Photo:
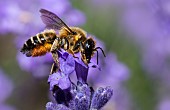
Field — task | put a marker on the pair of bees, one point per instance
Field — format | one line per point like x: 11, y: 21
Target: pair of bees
x: 71, y: 39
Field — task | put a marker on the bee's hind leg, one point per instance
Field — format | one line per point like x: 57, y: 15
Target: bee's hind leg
x: 55, y: 66
x: 55, y: 55
x: 54, y: 69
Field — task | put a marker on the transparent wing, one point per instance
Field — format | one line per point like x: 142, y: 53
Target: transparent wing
x: 52, y: 21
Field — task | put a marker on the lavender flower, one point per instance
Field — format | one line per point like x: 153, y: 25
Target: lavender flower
x: 52, y: 106
x: 61, y: 78
x: 100, y: 97
x: 83, y: 98
x: 81, y: 71
x: 75, y: 97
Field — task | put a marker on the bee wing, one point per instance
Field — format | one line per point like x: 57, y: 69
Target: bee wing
x: 51, y: 20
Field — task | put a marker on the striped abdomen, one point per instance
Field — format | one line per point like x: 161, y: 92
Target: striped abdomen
x: 40, y: 44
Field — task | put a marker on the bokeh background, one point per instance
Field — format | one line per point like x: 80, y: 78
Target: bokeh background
x: 134, y: 33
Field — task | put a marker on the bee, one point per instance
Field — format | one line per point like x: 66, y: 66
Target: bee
x: 71, y: 39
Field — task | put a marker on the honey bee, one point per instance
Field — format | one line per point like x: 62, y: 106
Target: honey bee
x: 71, y: 39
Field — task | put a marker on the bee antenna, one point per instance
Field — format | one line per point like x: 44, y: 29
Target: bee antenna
x: 101, y: 50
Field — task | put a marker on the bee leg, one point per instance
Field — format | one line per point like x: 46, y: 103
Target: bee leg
x: 54, y: 53
x: 55, y: 46
x: 67, y: 48
x: 55, y: 66
x: 83, y: 56
x: 53, y: 69
x: 70, y: 51
x: 55, y: 58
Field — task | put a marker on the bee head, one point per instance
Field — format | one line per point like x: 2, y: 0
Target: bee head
x: 89, y: 46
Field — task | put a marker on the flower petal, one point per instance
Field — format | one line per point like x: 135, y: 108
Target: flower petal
x: 81, y: 71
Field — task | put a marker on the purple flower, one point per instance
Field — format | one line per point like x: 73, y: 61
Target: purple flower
x: 83, y: 98
x: 78, y: 97
x: 61, y: 78
x: 52, y: 106
x: 81, y: 71
x: 101, y: 97
x: 82, y: 102
x: 57, y: 79
x: 67, y: 63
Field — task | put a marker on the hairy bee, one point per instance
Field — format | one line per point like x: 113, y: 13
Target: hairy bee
x: 71, y: 39
x: 40, y: 44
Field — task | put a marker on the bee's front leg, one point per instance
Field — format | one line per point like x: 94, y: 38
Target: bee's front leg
x: 71, y: 52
